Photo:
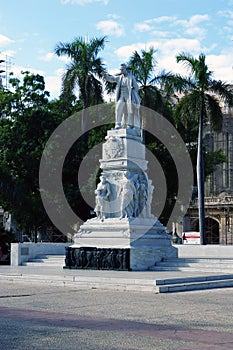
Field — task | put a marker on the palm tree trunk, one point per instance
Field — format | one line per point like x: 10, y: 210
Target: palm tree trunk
x: 200, y: 176
x: 85, y: 112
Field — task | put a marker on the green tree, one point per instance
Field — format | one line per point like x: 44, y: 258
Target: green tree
x: 201, y: 103
x: 143, y: 66
x: 83, y: 72
x: 28, y: 122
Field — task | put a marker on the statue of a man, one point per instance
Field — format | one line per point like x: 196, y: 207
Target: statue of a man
x: 127, y: 98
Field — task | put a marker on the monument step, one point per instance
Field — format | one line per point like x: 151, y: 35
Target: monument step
x: 180, y: 280
x: 197, y: 264
x: 191, y: 286
x: 212, y: 260
x: 191, y: 269
x: 192, y: 264
x: 46, y: 260
x: 86, y: 282
x: 124, y: 284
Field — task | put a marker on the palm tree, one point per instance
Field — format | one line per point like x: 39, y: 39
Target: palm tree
x: 201, y: 99
x: 84, y: 70
x: 151, y: 91
x: 143, y: 65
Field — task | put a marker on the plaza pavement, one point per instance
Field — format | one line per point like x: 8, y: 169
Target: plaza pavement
x: 147, y: 281
x: 48, y: 316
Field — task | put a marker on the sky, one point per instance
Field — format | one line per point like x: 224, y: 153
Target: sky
x: 30, y: 30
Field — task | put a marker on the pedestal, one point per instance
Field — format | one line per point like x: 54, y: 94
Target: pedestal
x: 125, y: 235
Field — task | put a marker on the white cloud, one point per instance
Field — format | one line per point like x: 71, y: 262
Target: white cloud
x: 192, y: 21
x: 113, y: 16
x: 174, y: 46
x: 169, y: 64
x: 222, y: 66
x: 164, y: 26
x: 160, y: 34
x: 110, y: 28
x: 64, y: 59
x: 198, y: 18
x: 17, y: 73
x: 8, y: 53
x: 48, y: 57
x: 148, y: 25
x: 226, y: 13
x: 142, y: 27
x: 169, y: 49
x: 195, y: 31
x: 4, y: 40
x: 53, y: 83
x: 124, y: 52
x: 17, y: 70
x: 191, y: 25
x: 82, y: 2
x: 166, y: 52
x: 161, y: 19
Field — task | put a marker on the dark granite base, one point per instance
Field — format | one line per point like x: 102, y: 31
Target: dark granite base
x: 97, y: 258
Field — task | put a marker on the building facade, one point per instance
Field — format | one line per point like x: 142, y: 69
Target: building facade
x: 218, y: 188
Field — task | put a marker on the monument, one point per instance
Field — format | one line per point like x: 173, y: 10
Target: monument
x: 124, y: 235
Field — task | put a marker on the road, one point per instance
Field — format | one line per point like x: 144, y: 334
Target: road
x: 57, y: 318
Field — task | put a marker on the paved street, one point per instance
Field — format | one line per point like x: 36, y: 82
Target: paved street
x: 49, y: 317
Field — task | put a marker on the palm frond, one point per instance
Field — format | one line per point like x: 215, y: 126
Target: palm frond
x: 95, y: 88
x: 97, y: 44
x: 187, y: 110
x: 175, y: 82
x: 188, y: 61
x: 85, y: 64
x: 143, y: 65
x: 68, y: 81
x: 214, y: 112
x: 224, y: 91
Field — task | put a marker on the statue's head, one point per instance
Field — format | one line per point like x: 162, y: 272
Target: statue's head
x: 123, y: 68
x: 102, y: 178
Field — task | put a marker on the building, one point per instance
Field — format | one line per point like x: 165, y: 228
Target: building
x: 218, y: 188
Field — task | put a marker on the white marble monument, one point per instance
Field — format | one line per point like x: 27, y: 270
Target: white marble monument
x: 123, y: 222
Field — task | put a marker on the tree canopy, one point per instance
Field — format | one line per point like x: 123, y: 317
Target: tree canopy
x: 28, y: 121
